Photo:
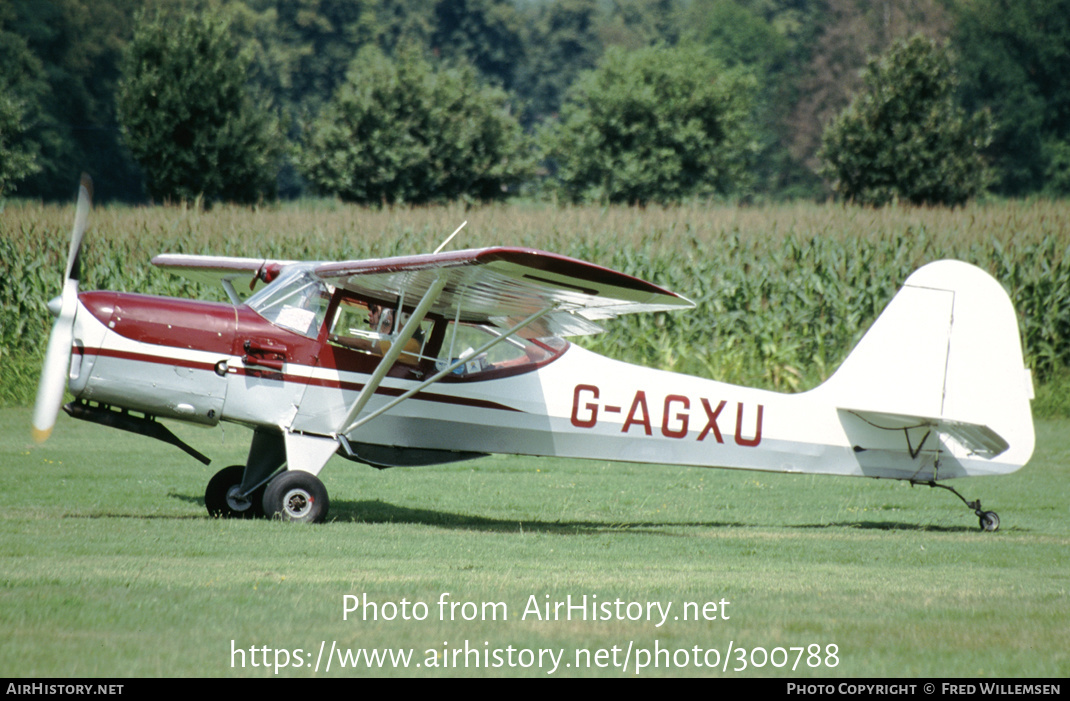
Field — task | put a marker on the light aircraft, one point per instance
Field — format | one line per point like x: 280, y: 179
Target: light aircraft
x: 433, y: 358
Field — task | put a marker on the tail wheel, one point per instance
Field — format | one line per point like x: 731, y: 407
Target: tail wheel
x: 989, y: 521
x: 296, y: 496
x: 223, y: 497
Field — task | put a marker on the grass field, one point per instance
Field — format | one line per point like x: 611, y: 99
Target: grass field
x: 110, y: 566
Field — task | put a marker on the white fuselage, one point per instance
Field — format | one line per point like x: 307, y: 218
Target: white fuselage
x: 578, y: 405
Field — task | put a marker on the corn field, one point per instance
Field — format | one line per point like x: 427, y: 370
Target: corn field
x: 782, y: 292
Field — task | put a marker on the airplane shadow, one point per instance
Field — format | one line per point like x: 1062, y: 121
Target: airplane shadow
x: 383, y: 512
x: 378, y: 511
x: 892, y: 526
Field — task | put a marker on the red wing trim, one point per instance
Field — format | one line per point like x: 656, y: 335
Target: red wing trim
x: 503, y: 286
x: 527, y: 257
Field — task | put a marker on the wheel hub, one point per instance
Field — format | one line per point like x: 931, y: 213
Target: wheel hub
x: 297, y: 502
x: 236, y: 501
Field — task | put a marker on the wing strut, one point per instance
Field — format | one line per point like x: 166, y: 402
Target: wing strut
x: 396, y: 347
x: 351, y: 425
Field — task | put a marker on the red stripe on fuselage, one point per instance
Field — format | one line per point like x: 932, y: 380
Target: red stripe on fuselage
x: 298, y: 379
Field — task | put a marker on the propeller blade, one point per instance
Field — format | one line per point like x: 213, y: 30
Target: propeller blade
x: 58, y: 354
x: 57, y: 363
x: 81, y: 216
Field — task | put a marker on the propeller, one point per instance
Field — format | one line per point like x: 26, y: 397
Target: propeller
x: 58, y: 355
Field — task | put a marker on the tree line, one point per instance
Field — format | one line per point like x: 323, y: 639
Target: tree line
x: 635, y: 101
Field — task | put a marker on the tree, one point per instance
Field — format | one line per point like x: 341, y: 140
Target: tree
x: 1015, y: 61
x: 307, y: 44
x: 904, y: 136
x: 838, y: 38
x: 67, y: 89
x: 30, y: 128
x: 485, y: 33
x: 760, y: 36
x: 17, y: 159
x: 654, y: 125
x: 560, y: 41
x: 187, y: 116
x: 403, y: 131
x: 634, y: 24
x: 22, y: 86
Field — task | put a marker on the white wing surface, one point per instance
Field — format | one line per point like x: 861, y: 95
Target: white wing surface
x: 503, y: 285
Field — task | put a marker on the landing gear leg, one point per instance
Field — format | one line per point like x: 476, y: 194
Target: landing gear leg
x: 989, y: 519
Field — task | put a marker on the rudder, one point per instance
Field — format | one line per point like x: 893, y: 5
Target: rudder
x: 945, y: 348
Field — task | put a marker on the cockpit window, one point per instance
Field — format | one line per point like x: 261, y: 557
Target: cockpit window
x: 371, y: 328
x: 296, y: 301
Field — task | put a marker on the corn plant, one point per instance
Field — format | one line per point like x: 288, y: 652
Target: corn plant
x: 782, y: 293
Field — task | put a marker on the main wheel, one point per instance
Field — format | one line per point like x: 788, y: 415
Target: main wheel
x: 222, y: 499
x: 296, y: 496
x: 989, y: 521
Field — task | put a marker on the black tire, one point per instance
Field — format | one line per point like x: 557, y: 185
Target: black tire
x: 990, y: 521
x: 221, y: 500
x: 296, y: 496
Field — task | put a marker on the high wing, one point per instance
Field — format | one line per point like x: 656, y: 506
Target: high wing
x: 504, y: 285
x: 498, y: 286
x: 231, y: 272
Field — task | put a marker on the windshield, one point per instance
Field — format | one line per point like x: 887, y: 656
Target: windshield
x: 296, y: 301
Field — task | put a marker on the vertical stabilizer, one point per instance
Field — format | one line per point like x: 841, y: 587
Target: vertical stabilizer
x: 946, y: 350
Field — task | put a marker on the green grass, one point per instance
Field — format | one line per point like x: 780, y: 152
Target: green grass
x: 110, y: 566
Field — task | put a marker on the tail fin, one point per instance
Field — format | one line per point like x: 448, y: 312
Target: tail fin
x: 946, y: 351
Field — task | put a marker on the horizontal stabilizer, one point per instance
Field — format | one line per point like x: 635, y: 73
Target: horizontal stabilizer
x: 976, y: 439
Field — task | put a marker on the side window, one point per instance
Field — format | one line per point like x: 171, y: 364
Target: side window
x: 463, y: 340
x: 371, y: 328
